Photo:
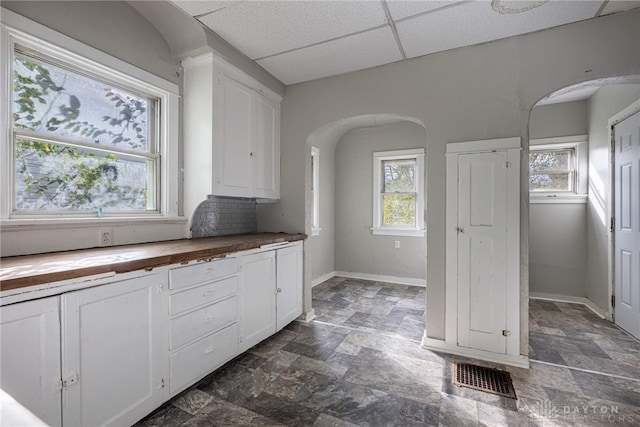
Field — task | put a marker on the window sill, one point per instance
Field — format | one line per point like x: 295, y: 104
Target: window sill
x: 315, y: 231
x: 557, y: 198
x: 407, y: 232
x: 57, y: 223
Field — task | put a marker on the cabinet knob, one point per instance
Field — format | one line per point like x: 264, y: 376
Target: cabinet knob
x: 279, y: 290
x: 252, y: 154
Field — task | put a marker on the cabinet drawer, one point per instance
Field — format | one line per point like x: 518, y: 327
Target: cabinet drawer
x: 189, y: 275
x: 202, y: 357
x: 201, y: 322
x: 202, y: 295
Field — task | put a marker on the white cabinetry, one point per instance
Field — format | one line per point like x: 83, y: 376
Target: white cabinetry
x: 30, y: 356
x: 232, y: 133
x: 271, y: 292
x: 112, y: 352
x: 203, y: 328
x: 289, y: 284
x: 258, y: 298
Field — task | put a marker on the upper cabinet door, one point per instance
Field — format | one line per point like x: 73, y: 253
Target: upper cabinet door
x: 30, y: 356
x: 265, y: 153
x: 232, y: 115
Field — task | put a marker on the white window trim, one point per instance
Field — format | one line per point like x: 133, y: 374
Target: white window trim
x: 315, y: 190
x: 18, y: 29
x: 378, y: 157
x: 579, y: 143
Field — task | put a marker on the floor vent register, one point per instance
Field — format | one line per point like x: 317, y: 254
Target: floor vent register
x: 485, y: 379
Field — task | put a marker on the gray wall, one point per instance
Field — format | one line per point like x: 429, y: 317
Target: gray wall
x: 565, y: 119
x: 113, y: 27
x: 557, y: 232
x: 605, y: 103
x: 481, y: 92
x: 357, y: 250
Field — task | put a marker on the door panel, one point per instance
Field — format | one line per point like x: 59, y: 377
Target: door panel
x: 482, y: 251
x: 627, y: 220
x: 30, y: 356
x: 112, y: 344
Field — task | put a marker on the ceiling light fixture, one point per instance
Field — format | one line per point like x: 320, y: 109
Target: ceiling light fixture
x: 517, y: 6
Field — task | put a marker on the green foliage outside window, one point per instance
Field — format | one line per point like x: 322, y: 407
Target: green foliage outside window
x: 53, y: 108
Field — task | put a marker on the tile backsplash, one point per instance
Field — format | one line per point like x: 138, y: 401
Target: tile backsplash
x: 221, y: 216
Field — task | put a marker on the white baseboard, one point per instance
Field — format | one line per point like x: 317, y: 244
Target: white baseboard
x: 308, y: 316
x: 519, y: 361
x: 571, y: 299
x: 323, y: 278
x: 380, y: 278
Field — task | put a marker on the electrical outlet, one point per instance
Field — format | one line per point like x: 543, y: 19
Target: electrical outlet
x: 396, y: 244
x: 105, y: 237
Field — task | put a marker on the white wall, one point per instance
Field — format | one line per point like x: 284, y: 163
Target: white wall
x: 557, y: 231
x: 466, y: 94
x: 357, y: 250
x: 605, y: 103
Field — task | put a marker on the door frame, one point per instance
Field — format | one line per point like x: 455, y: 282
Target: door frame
x: 614, y: 120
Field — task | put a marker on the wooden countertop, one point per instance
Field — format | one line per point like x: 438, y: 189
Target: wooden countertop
x: 29, y: 270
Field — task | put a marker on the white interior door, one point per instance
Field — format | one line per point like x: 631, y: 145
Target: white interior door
x: 627, y: 224
x: 482, y: 251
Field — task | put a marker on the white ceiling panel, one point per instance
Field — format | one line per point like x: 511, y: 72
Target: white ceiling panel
x: 200, y: 7
x: 476, y: 22
x: 402, y: 8
x: 260, y: 29
x: 351, y: 53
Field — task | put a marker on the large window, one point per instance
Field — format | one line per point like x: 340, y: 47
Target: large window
x: 398, y: 194
x: 80, y: 143
x: 85, y: 139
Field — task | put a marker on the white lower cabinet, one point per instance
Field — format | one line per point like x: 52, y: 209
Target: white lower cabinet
x: 30, y: 356
x: 112, y: 352
x: 270, y: 291
x: 203, y: 324
x: 288, y: 284
x: 258, y: 298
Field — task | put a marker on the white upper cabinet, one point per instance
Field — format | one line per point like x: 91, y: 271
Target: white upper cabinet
x: 232, y: 133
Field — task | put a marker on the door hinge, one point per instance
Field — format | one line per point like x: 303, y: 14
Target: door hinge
x: 162, y: 383
x: 161, y: 287
x: 613, y: 225
x: 506, y: 332
x: 507, y: 165
x: 613, y: 301
x: 65, y: 383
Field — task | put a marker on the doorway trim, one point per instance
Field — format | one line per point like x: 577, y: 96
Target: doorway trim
x: 614, y: 120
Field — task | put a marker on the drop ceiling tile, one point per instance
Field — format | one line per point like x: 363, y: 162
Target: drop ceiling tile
x: 264, y: 28
x: 364, y: 50
x: 476, y: 22
x: 199, y: 7
x: 402, y: 8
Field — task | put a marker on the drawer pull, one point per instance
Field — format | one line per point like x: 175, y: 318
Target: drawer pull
x: 209, y: 350
x: 210, y: 269
x: 208, y: 319
x: 209, y: 292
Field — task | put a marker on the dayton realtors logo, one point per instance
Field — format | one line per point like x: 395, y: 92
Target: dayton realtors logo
x: 583, y: 414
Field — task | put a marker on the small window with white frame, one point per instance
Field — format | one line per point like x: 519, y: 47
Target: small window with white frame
x: 558, y: 169
x: 398, y: 192
x: 552, y: 170
x: 85, y: 139
x: 315, y: 191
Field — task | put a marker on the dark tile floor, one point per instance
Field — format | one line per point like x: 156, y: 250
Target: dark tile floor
x: 361, y: 364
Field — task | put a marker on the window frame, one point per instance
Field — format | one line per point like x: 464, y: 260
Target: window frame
x: 315, y: 191
x: 379, y: 157
x: 578, y: 146
x: 28, y: 35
